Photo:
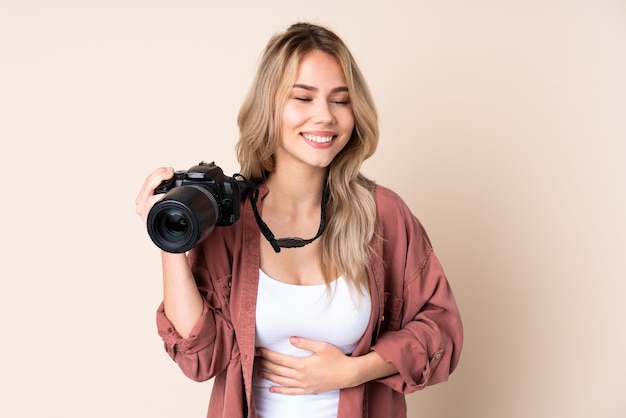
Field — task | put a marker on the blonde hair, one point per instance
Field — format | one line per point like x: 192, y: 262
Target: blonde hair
x: 351, y: 212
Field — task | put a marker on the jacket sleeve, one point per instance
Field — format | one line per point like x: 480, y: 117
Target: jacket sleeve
x: 422, y: 332
x: 211, y: 343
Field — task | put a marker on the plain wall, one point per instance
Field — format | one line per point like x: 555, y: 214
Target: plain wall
x: 502, y: 126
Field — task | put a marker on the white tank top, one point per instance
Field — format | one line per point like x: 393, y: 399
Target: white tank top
x: 285, y: 310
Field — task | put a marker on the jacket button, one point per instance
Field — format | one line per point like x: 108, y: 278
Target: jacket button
x: 438, y: 356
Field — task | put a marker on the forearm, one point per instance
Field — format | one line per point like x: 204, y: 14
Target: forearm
x: 371, y: 366
x: 182, y: 301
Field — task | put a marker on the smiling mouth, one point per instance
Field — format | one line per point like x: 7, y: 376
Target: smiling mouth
x: 318, y: 139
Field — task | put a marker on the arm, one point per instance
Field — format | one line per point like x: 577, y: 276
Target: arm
x: 193, y: 321
x: 326, y: 369
x: 423, y: 351
x: 194, y: 332
x: 430, y: 330
x: 409, y: 355
x: 182, y: 302
x: 422, y: 332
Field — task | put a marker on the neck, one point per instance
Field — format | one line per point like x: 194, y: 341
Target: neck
x: 297, y: 187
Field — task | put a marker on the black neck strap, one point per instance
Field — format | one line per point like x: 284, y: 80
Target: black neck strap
x: 291, y: 242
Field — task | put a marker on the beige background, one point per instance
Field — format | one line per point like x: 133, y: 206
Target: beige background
x: 503, y: 127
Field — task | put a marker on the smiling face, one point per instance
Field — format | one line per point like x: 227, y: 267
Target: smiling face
x: 317, y: 118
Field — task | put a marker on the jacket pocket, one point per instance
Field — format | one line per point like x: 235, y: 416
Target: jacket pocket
x: 392, y: 313
x: 225, y: 284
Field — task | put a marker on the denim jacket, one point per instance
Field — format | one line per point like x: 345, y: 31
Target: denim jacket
x: 414, y: 323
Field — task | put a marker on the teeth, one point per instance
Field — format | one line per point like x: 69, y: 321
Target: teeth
x: 319, y: 139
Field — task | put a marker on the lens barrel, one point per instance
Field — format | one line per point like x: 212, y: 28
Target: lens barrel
x: 185, y: 216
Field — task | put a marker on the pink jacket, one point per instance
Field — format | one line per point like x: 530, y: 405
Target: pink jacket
x: 414, y: 324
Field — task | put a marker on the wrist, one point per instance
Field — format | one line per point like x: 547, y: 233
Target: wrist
x: 370, y: 366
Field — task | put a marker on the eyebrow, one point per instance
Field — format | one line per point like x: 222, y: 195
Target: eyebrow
x: 311, y: 88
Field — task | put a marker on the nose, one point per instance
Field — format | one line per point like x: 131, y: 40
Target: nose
x: 323, y: 113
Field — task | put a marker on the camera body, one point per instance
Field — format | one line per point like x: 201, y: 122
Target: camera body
x: 196, y: 200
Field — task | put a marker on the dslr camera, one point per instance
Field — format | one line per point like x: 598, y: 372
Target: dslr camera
x: 195, y: 201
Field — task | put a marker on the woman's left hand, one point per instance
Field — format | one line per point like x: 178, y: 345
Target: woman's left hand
x: 326, y: 369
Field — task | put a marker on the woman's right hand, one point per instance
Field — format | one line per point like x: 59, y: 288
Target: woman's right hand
x: 146, y: 197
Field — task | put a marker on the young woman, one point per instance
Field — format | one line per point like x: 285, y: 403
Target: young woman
x: 342, y: 321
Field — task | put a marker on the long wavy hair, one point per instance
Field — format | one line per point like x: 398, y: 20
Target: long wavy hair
x: 351, y: 211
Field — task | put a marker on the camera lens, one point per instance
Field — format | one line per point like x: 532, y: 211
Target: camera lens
x: 184, y: 217
x: 173, y: 222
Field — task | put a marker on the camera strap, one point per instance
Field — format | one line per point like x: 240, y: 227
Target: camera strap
x: 290, y: 242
